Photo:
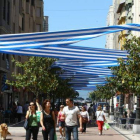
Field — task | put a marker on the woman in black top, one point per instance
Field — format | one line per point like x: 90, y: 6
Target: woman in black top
x: 47, y: 121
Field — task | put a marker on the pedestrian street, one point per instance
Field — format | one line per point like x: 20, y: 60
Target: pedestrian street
x: 18, y: 133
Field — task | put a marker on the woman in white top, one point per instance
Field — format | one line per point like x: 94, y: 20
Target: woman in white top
x: 85, y: 118
x: 100, y: 119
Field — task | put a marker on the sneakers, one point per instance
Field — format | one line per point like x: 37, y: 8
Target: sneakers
x: 61, y: 137
x: 99, y: 134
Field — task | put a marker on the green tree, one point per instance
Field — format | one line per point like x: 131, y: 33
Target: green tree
x: 40, y: 77
x: 37, y: 76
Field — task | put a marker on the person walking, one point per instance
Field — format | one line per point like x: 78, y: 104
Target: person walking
x: 100, y: 119
x: 61, y: 122
x: 90, y: 112
x: 33, y: 124
x: 47, y: 121
x: 71, y: 114
x: 85, y: 118
x: 19, y: 111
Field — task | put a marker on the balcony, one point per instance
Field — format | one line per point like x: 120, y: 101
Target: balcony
x: 129, y: 2
x: 120, y: 6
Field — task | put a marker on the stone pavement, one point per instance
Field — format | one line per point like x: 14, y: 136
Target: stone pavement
x: 18, y: 133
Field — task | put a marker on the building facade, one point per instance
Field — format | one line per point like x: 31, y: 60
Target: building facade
x: 46, y: 25
x: 17, y: 16
x: 110, y: 22
x: 125, y: 12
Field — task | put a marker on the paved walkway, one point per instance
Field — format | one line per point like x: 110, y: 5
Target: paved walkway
x: 114, y: 133
x: 18, y: 133
x: 128, y: 134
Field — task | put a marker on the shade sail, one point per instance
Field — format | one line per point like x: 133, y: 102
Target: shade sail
x: 87, y: 66
x: 42, y: 39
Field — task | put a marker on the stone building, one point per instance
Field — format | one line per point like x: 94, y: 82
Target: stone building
x: 17, y: 16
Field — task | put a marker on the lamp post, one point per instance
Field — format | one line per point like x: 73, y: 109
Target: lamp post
x: 136, y: 126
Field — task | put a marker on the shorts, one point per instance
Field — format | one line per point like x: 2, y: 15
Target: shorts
x: 61, y: 124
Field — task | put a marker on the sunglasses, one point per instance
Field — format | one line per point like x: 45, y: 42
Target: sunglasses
x: 31, y: 105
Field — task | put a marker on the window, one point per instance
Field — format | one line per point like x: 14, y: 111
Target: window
x: 20, y: 6
x: 3, y: 56
x: 38, y: 28
x: 23, y: 22
x: 19, y: 58
x: 38, y: 11
x: 7, y: 56
x: 32, y: 2
x: 4, y: 9
x: 8, y: 13
x: 13, y: 2
x: 13, y: 27
x: 29, y: 22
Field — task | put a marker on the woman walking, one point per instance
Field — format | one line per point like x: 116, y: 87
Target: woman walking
x: 100, y: 119
x: 47, y: 121
x: 33, y: 124
x: 61, y: 122
x: 85, y: 118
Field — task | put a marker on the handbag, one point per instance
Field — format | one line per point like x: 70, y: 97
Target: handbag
x: 26, y: 124
x: 84, y: 120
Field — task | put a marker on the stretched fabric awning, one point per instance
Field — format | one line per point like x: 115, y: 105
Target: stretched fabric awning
x: 42, y: 39
x: 87, y: 65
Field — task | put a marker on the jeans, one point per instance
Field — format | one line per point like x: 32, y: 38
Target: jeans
x: 71, y: 129
x: 84, y: 125
x: 32, y: 130
x: 50, y: 132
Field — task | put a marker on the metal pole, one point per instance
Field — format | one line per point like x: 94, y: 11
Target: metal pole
x: 137, y: 120
x: 112, y: 107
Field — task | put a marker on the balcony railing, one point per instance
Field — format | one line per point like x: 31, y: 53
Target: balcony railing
x: 120, y: 6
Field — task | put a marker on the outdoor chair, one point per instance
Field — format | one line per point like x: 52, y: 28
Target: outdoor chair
x: 130, y: 123
x: 122, y: 123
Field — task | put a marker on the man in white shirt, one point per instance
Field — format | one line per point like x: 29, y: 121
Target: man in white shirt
x: 71, y: 114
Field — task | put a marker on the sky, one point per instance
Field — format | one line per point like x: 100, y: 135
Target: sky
x: 78, y: 14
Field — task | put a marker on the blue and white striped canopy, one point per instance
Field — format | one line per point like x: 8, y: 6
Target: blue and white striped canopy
x: 86, y: 66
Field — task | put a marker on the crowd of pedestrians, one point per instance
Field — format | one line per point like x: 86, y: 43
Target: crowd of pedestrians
x: 68, y: 119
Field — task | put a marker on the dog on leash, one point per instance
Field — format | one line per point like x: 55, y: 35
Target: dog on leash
x: 4, y: 131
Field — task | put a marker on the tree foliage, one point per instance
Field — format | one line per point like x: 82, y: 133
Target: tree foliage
x: 126, y: 77
x: 39, y: 76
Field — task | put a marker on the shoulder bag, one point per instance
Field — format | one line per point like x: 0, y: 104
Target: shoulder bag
x: 26, y: 124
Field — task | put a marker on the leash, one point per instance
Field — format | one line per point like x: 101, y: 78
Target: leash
x: 16, y: 123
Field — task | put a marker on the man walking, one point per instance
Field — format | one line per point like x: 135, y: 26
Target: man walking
x: 71, y: 114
